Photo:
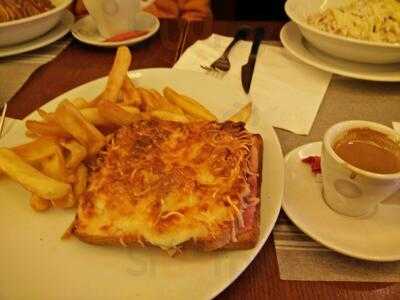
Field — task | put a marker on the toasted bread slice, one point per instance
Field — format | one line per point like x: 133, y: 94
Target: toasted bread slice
x: 175, y: 186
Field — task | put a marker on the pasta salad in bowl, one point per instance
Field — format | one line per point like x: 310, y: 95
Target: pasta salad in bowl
x: 366, y: 31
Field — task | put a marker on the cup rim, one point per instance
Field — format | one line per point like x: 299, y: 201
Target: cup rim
x: 359, y: 124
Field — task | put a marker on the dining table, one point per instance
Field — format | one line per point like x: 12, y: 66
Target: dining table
x: 80, y: 63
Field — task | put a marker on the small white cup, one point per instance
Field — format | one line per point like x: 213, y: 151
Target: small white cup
x: 115, y: 16
x: 347, y: 189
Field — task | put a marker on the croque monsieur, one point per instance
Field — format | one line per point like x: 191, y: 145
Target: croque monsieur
x: 175, y: 186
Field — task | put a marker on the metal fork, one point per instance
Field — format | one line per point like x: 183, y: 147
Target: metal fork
x: 3, y: 119
x: 222, y: 63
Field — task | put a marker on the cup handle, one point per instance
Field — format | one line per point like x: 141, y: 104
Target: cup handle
x: 393, y: 199
x: 146, y: 3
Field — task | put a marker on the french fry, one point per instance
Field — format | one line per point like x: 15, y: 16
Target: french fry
x: 188, y: 105
x: 46, y: 129
x: 46, y: 116
x: 37, y: 150
x: 39, y: 204
x: 172, y: 107
x: 96, y: 100
x: 30, y: 178
x: 117, y: 74
x: 153, y: 100
x: 30, y: 134
x: 161, y: 103
x: 169, y: 116
x: 131, y: 95
x: 116, y: 114
x: 158, y: 97
x: 243, y: 115
x: 120, y: 97
x: 80, y: 183
x: 80, y: 103
x: 55, y: 167
x: 148, y: 100
x: 72, y: 121
x: 193, y: 119
x: 92, y: 115
x: 67, y: 201
x: 76, y: 153
x: 158, y: 100
x: 130, y: 109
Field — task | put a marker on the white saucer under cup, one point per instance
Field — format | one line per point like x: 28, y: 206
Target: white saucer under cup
x: 375, y: 237
x: 85, y: 30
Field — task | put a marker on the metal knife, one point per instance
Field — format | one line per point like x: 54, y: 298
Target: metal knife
x: 248, y: 69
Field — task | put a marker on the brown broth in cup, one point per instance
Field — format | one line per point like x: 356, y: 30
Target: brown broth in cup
x: 369, y: 150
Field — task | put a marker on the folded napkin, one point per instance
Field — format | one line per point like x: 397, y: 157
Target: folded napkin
x: 284, y: 90
x: 22, y: 66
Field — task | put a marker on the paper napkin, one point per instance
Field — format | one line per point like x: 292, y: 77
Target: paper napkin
x: 284, y: 90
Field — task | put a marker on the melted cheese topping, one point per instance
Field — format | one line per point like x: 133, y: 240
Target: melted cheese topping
x: 167, y: 183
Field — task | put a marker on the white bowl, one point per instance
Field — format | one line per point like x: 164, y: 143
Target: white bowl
x: 22, y: 30
x: 336, y: 45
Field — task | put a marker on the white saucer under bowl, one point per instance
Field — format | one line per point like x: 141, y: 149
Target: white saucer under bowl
x: 294, y: 42
x: 60, y: 30
x: 375, y: 238
x: 85, y: 30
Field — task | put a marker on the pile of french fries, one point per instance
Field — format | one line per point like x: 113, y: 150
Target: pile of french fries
x: 52, y: 166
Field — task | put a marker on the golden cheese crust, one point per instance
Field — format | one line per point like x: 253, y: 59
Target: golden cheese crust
x: 174, y: 186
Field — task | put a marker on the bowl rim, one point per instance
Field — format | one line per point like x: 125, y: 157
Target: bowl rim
x: 56, y: 9
x: 307, y: 26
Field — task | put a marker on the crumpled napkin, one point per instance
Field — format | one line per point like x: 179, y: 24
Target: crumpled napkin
x: 284, y: 90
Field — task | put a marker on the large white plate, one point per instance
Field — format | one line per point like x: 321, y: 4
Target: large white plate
x: 375, y: 238
x: 53, y: 35
x: 37, y: 264
x: 294, y: 42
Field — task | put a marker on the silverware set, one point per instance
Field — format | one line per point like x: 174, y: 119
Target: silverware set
x: 222, y: 64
